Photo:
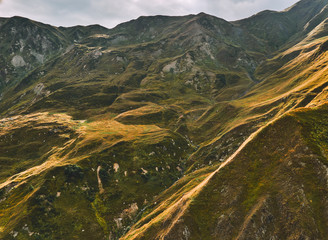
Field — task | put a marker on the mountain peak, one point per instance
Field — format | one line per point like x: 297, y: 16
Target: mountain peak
x: 307, y: 5
x: 202, y: 14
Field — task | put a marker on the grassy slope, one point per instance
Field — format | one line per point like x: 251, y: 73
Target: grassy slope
x: 262, y: 176
x: 107, y: 174
x: 259, y: 186
x: 104, y: 165
x: 268, y: 181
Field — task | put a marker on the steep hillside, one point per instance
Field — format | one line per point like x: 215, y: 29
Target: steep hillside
x: 274, y: 187
x: 166, y: 128
x: 26, y: 45
x: 280, y: 28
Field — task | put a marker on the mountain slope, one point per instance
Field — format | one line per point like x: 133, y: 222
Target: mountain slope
x: 166, y: 128
x: 279, y: 28
x: 271, y: 189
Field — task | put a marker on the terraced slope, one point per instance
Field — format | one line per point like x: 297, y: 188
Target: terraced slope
x: 166, y: 128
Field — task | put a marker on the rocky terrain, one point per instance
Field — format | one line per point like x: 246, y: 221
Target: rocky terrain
x: 186, y: 127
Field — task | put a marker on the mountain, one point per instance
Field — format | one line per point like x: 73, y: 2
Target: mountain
x: 187, y: 127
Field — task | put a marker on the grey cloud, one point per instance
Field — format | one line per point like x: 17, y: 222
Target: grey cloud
x: 237, y: 9
x: 111, y: 12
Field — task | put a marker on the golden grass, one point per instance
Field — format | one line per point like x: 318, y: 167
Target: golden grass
x: 107, y: 132
x: 174, y: 211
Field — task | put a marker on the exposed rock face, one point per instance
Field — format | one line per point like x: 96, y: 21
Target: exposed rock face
x: 18, y: 61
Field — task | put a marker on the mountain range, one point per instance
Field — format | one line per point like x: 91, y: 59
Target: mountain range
x: 163, y: 127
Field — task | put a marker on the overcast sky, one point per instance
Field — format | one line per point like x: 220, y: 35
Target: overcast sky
x: 112, y: 12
